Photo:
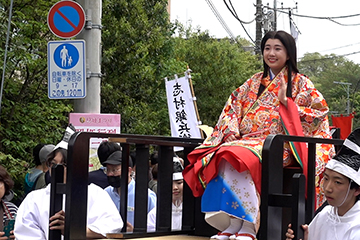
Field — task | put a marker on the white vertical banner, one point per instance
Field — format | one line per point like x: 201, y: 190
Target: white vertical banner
x: 183, y: 118
x: 294, y: 31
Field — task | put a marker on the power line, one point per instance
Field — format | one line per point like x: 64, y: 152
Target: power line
x: 307, y: 16
x: 349, y: 45
x: 328, y: 58
x: 233, y: 12
x: 324, y: 18
x: 221, y: 20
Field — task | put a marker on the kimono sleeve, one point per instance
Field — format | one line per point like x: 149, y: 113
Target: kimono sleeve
x: 311, y: 103
x: 230, y: 116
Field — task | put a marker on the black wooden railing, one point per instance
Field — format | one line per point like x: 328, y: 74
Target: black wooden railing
x: 273, y: 198
x: 193, y: 220
x: 77, y: 181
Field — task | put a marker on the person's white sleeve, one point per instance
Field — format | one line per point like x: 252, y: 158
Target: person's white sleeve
x: 103, y: 216
x: 151, y: 200
x: 28, y: 222
x: 151, y: 220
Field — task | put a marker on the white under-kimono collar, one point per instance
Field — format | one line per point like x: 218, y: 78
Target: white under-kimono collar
x: 272, y: 75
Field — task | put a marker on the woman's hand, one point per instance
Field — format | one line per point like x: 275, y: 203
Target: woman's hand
x: 3, y: 237
x: 230, y: 138
x: 282, y: 92
x: 57, y: 221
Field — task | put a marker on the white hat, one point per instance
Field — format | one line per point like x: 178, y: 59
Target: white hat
x: 347, y: 160
x: 70, y: 130
x: 178, y: 167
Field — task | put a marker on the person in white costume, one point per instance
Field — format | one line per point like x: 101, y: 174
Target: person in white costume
x: 33, y: 221
x: 177, y: 194
x: 340, y: 220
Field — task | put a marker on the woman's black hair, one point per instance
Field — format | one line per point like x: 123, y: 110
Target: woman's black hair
x: 6, y: 178
x: 289, y: 43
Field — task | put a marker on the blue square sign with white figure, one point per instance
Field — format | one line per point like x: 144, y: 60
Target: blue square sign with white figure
x: 66, y: 69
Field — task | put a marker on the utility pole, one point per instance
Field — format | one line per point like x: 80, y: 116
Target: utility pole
x: 258, y: 36
x: 92, y: 36
x: 275, y: 17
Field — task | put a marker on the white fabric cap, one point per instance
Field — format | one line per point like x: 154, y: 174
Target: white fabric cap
x: 177, y: 176
x: 65, y: 140
x: 344, y: 169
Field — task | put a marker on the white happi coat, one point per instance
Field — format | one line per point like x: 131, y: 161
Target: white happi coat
x: 327, y: 225
x: 32, y: 220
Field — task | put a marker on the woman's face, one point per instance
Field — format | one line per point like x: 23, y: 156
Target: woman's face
x: 2, y: 189
x: 58, y: 159
x: 177, y: 191
x: 275, y: 55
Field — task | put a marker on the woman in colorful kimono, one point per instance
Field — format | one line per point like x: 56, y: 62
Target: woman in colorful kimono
x: 226, y: 168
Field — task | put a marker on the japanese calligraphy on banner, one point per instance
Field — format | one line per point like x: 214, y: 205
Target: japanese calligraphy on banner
x: 98, y: 123
x: 183, y: 119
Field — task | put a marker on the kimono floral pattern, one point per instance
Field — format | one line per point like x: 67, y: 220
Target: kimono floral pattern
x: 252, y: 118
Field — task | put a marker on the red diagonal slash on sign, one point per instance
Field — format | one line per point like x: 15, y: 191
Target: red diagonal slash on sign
x: 66, y: 19
x: 58, y: 28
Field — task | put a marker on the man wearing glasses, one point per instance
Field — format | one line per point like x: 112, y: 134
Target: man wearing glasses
x: 113, y: 172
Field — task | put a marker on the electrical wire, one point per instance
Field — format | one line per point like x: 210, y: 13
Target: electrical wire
x: 323, y: 18
x: 6, y: 50
x: 307, y: 16
x: 328, y: 58
x: 221, y: 20
x: 349, y: 45
x: 233, y: 12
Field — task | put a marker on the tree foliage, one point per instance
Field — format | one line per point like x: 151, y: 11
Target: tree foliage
x: 324, y: 71
x: 27, y: 115
x: 137, y: 44
x: 219, y: 66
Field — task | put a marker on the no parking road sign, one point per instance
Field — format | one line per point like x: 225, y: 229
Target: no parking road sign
x: 66, y: 69
x: 66, y: 19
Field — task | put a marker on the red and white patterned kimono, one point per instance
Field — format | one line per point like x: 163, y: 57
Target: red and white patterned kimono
x: 252, y: 119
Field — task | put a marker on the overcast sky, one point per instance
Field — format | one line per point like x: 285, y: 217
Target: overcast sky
x: 317, y: 35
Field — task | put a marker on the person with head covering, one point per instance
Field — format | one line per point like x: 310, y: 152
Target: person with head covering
x: 44, y: 178
x: 113, y: 172
x: 104, y: 150
x: 33, y: 221
x: 226, y: 169
x: 7, y: 208
x: 177, y: 200
x: 340, y: 219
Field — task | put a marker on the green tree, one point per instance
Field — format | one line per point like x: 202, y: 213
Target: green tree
x: 327, y: 69
x: 219, y: 66
x: 137, y: 45
x: 27, y: 115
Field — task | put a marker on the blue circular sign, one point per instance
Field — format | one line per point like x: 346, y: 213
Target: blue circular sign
x: 66, y: 56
